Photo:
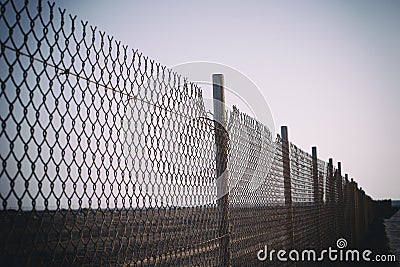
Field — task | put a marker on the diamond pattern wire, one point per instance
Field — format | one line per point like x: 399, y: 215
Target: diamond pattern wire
x: 104, y: 159
x: 109, y: 158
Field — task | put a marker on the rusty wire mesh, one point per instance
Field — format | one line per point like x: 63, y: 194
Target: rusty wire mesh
x: 104, y: 157
x: 257, y: 204
x: 109, y: 158
x: 304, y: 211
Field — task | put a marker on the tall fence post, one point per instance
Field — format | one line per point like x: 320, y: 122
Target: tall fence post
x: 287, y: 183
x: 347, y: 209
x: 331, y: 183
x: 331, y: 200
x: 317, y: 198
x: 221, y: 141
x: 352, y: 213
x: 340, y: 210
x: 356, y: 214
x: 362, y: 212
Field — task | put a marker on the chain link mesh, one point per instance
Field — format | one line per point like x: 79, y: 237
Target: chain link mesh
x: 104, y: 157
x: 109, y: 158
x: 257, y: 203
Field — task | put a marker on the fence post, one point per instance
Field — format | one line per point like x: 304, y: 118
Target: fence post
x: 362, y: 212
x: 317, y: 199
x: 356, y: 214
x: 340, y: 210
x: 331, y: 200
x: 331, y: 185
x: 287, y: 183
x: 352, y: 212
x: 347, y: 209
x: 221, y: 142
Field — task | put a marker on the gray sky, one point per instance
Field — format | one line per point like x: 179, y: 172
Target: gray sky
x: 330, y: 70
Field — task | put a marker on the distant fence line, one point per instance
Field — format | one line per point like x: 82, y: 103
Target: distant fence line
x: 108, y: 157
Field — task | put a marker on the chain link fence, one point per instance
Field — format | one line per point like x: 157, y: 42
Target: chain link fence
x: 109, y: 158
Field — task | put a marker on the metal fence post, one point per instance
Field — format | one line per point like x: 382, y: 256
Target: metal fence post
x: 287, y: 182
x: 221, y: 141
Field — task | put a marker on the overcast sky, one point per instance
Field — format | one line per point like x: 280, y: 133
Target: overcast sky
x: 330, y: 70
